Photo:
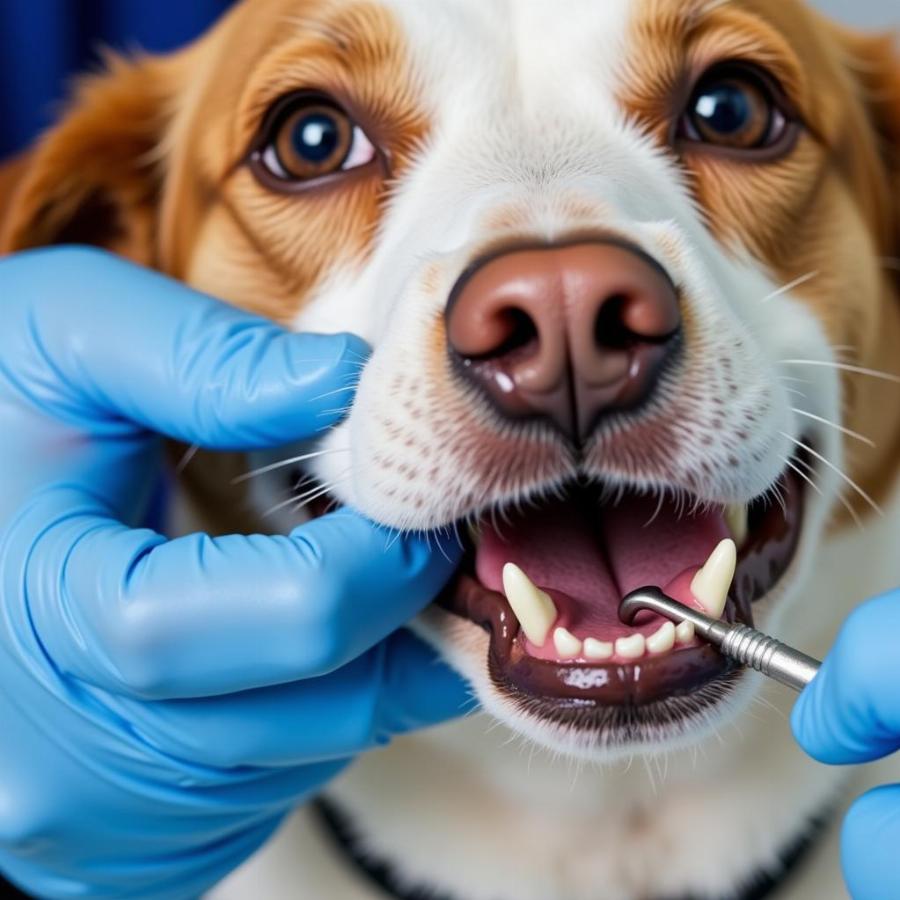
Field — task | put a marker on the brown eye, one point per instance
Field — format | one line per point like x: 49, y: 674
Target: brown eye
x: 311, y: 138
x: 734, y: 107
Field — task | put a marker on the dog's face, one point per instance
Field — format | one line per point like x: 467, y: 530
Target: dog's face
x: 611, y: 257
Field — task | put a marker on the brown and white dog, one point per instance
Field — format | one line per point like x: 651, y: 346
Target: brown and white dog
x: 630, y: 271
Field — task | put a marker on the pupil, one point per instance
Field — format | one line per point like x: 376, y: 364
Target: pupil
x: 725, y: 109
x: 316, y: 138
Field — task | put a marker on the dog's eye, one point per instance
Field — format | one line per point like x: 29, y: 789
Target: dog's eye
x: 735, y: 107
x: 310, y: 138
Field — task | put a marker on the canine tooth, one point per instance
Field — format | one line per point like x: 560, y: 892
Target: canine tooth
x: 711, y: 584
x: 663, y: 640
x: 533, y: 608
x: 567, y: 645
x: 599, y: 650
x: 631, y: 647
x: 684, y: 633
x: 736, y: 520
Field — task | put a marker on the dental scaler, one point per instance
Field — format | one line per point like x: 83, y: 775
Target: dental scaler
x: 738, y: 642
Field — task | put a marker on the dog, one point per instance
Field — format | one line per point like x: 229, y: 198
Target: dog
x: 630, y: 273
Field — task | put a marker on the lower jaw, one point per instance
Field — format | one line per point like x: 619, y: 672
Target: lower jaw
x: 653, y: 691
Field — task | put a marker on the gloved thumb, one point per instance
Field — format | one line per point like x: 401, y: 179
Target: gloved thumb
x: 850, y: 713
x: 869, y: 841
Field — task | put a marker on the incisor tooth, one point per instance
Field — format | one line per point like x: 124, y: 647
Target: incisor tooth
x: 567, y: 645
x: 711, y: 584
x: 684, y: 633
x: 663, y: 640
x: 631, y: 647
x: 736, y: 520
x: 533, y: 608
x: 599, y: 650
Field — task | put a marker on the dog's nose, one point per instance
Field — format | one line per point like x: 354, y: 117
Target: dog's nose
x: 565, y: 333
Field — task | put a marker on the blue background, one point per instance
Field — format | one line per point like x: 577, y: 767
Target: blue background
x: 43, y: 41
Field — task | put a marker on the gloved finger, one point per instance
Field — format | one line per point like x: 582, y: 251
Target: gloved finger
x: 397, y: 687
x: 850, y: 713
x: 869, y: 842
x: 130, y: 612
x: 126, y: 344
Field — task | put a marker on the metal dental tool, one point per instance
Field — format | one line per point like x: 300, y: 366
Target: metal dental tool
x: 746, y: 645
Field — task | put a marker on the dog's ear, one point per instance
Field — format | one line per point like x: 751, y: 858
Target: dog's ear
x: 96, y: 177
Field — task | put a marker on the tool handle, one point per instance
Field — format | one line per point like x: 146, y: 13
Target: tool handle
x: 771, y: 657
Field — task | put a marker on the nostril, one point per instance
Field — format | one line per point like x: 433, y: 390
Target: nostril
x: 610, y: 330
x: 505, y: 331
x: 625, y: 319
x: 521, y: 332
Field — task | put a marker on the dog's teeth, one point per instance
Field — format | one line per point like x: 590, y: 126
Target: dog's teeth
x: 711, y: 584
x: 736, y: 520
x: 598, y: 650
x: 663, y: 640
x: 684, y: 633
x: 631, y: 647
x: 532, y: 607
x: 567, y: 645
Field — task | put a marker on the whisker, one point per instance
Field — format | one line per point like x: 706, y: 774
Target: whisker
x: 853, y: 434
x: 843, y: 367
x: 322, y: 490
x: 843, y: 500
x: 343, y: 390
x: 305, y: 499
x: 841, y: 474
x: 187, y: 459
x: 279, y: 506
x: 458, y: 536
x: 310, y: 496
x: 393, y: 540
x: 336, y: 411
x: 805, y: 477
x: 287, y: 462
x: 778, y: 494
x: 797, y: 282
x: 657, y: 511
x: 797, y: 393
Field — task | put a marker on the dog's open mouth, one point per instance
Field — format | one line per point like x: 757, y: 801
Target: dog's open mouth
x: 585, y: 551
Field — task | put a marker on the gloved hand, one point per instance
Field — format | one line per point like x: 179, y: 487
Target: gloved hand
x: 850, y: 713
x: 164, y: 704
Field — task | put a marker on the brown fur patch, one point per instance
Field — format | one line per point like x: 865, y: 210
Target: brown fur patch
x: 221, y: 228
x: 830, y: 206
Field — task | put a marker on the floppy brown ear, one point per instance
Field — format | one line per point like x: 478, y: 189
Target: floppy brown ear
x: 96, y: 177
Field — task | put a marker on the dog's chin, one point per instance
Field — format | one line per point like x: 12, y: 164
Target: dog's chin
x: 669, y: 697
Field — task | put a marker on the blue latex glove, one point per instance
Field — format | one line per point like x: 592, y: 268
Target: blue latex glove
x: 163, y: 704
x: 850, y: 713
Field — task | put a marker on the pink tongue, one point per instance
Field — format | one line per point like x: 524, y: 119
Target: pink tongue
x: 588, y: 559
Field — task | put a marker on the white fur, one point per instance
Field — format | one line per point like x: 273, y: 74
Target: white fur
x: 522, y: 98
